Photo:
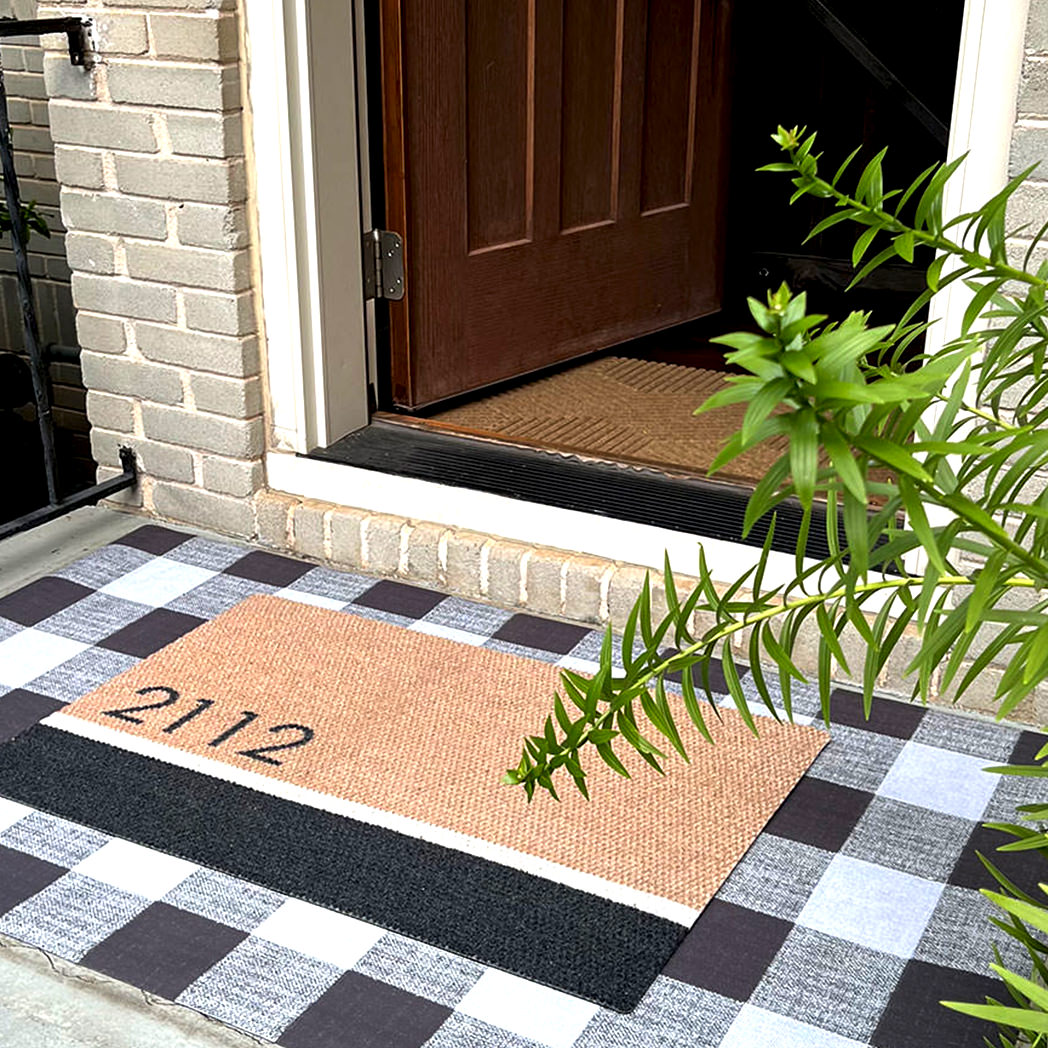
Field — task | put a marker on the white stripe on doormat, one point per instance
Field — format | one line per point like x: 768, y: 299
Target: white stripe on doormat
x: 669, y: 910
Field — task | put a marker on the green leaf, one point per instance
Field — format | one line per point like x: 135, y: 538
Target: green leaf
x: 894, y: 456
x: 843, y: 461
x: 804, y: 454
x: 863, y: 243
x: 903, y: 244
x: 692, y: 706
x: 731, y: 678
x: 763, y: 404
x: 1036, y: 916
x: 1021, y: 1018
x: 607, y: 754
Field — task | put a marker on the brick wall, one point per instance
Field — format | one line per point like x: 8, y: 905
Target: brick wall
x: 149, y: 152
x: 23, y: 63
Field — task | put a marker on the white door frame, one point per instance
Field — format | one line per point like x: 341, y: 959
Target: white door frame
x: 316, y: 345
x: 303, y: 90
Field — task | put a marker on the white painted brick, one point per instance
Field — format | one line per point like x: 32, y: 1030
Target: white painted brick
x: 123, y: 298
x: 206, y: 181
x: 206, y: 134
x: 129, y: 497
x: 102, y: 127
x: 307, y: 529
x: 90, y: 253
x: 462, y: 572
x: 236, y: 357
x: 62, y: 79
x: 212, y: 225
x: 223, y: 513
x: 232, y: 476
x: 116, y: 215
x: 221, y: 314
x: 186, y: 5
x: 232, y: 438
x: 506, y: 566
x: 178, y: 85
x: 543, y: 581
x: 423, y: 563
x: 272, y: 516
x: 157, y: 460
x: 380, y: 545
x: 1033, y: 88
x: 1037, y: 28
x: 1029, y: 147
x: 109, y: 412
x: 346, y: 525
x: 188, y: 266
x: 194, y: 36
x: 237, y: 398
x: 120, y: 34
x: 583, y: 578
x: 132, y: 378
x: 79, y: 167
x: 102, y: 334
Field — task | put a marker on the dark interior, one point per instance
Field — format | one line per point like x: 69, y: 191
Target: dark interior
x: 795, y: 63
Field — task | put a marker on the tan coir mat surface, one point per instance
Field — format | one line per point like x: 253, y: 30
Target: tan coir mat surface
x: 422, y: 727
x: 619, y: 408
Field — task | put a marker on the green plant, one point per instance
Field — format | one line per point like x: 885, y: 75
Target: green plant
x: 1023, y: 1021
x: 906, y: 454
x: 32, y: 220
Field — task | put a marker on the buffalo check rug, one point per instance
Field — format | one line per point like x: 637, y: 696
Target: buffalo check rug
x: 853, y: 913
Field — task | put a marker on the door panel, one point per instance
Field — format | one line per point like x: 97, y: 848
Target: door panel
x: 557, y: 170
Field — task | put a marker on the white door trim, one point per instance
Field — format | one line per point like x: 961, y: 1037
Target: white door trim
x: 302, y: 79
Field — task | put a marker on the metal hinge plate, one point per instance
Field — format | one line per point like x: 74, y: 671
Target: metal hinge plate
x: 383, y: 265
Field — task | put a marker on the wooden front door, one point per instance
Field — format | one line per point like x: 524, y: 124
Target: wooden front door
x: 556, y: 168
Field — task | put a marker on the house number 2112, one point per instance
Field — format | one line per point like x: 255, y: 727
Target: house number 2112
x: 258, y: 753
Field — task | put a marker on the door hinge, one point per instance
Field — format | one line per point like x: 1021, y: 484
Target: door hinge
x: 383, y: 264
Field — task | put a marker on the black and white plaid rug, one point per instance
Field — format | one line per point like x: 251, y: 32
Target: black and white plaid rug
x: 853, y: 914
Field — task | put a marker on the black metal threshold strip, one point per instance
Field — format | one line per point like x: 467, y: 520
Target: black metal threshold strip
x: 704, y: 508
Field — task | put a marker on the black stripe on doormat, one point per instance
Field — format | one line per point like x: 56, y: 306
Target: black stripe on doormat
x: 565, y: 938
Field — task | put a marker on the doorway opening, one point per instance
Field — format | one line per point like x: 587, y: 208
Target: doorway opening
x: 505, y: 338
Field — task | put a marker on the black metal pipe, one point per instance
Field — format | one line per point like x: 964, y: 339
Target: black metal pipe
x: 59, y: 354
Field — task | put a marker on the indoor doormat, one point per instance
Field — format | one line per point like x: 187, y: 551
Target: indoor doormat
x: 355, y: 764
x: 618, y: 408
x: 855, y: 911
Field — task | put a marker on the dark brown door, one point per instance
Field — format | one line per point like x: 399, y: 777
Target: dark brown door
x: 556, y: 168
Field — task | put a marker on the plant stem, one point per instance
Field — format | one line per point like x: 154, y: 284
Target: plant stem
x: 892, y: 224
x: 783, y: 609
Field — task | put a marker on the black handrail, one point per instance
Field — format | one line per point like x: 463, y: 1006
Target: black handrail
x: 75, y: 30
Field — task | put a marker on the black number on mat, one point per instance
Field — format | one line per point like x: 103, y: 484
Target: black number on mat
x: 307, y: 735
x: 244, y: 721
x: 126, y: 712
x: 202, y: 704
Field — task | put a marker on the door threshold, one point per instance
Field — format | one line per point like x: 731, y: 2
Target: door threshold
x: 693, y: 505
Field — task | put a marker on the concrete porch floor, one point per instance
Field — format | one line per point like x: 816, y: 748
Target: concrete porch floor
x: 46, y: 1002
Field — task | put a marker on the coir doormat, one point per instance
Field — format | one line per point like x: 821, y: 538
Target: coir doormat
x: 355, y: 764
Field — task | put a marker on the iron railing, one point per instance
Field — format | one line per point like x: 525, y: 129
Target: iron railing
x: 39, y: 356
